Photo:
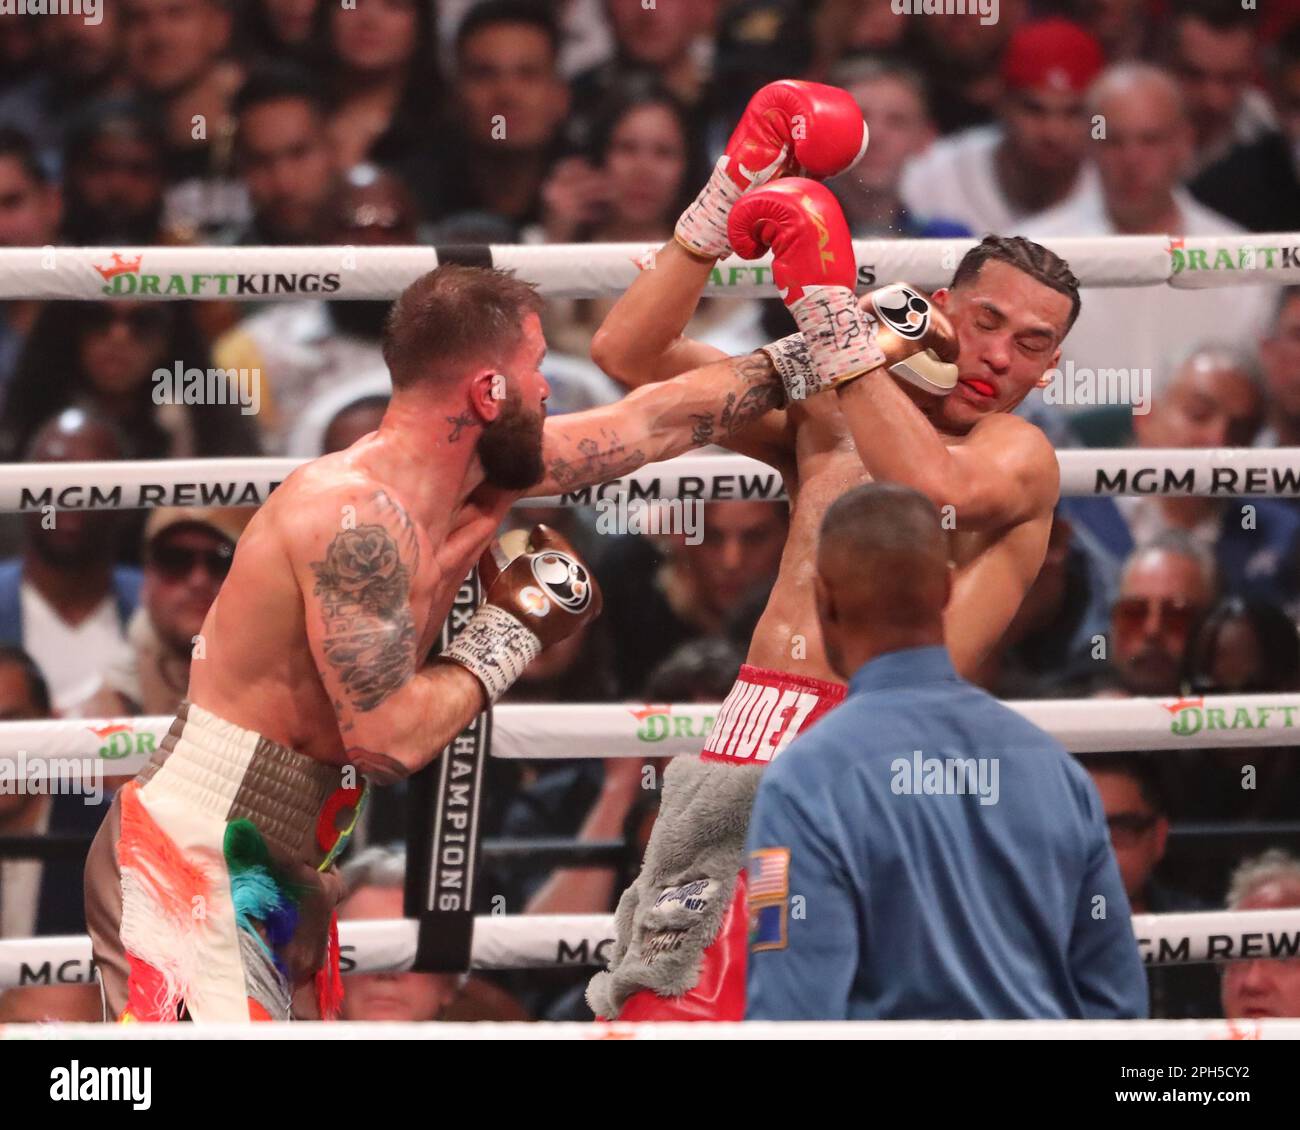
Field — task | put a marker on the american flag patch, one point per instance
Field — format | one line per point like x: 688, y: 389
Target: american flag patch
x: 769, y: 873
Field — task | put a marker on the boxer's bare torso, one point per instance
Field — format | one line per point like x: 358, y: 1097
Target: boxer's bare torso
x: 994, y: 568
x: 342, y: 581
x: 255, y: 668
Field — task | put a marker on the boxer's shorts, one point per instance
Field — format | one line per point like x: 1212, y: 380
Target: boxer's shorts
x: 211, y: 887
x: 681, y: 903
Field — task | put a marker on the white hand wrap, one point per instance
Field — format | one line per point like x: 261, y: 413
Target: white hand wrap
x: 495, y: 647
x: 841, y: 345
x: 702, y: 228
x: 793, y: 364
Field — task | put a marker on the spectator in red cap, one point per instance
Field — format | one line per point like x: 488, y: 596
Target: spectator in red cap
x: 991, y: 178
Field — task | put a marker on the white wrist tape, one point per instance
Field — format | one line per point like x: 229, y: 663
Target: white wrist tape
x: 702, y: 228
x: 841, y: 345
x: 793, y: 364
x: 496, y: 647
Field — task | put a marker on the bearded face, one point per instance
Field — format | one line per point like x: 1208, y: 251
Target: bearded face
x: 510, y: 447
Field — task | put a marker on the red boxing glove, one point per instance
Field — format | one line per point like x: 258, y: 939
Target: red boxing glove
x: 815, y: 271
x: 789, y: 127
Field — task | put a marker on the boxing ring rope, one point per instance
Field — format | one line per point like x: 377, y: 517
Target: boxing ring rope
x: 140, y: 484
x: 589, y: 270
x: 544, y: 941
x: 749, y: 1030
x: 64, y: 749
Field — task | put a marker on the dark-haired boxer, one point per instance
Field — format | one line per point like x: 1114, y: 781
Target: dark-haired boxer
x: 899, y: 413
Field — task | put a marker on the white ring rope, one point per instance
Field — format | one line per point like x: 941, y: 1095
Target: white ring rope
x: 749, y: 1030
x: 590, y: 270
x: 60, y: 752
x: 1221, y: 472
x: 543, y: 941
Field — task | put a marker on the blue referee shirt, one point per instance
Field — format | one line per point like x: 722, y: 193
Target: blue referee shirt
x: 924, y: 852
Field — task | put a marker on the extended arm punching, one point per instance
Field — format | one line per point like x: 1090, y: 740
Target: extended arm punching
x: 708, y: 405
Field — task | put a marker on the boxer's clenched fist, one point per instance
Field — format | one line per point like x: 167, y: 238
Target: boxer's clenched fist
x: 919, y: 343
x: 789, y: 127
x: 803, y: 226
x: 533, y: 600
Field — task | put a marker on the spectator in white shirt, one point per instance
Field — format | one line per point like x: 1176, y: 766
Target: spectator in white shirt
x: 1146, y: 147
x: 64, y: 599
x: 991, y: 178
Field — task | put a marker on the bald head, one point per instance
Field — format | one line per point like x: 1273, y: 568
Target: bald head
x: 75, y: 539
x: 374, y: 207
x: 1146, y: 146
x: 883, y: 574
x: 73, y: 436
x: 1153, y: 90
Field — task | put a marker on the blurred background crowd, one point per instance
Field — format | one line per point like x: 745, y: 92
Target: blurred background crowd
x: 251, y: 122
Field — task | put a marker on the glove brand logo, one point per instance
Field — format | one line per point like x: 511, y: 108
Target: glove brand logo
x: 564, y: 580
x: 904, y: 311
x: 693, y: 896
x: 823, y: 232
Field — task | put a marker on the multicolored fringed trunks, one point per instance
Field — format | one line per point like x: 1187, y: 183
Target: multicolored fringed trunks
x: 211, y: 886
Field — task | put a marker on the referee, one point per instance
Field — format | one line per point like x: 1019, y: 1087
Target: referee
x: 924, y: 852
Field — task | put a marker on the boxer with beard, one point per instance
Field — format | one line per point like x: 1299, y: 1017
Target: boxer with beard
x: 210, y: 889
x: 923, y: 389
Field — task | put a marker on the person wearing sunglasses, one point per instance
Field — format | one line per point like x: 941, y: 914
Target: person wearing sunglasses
x: 105, y: 356
x: 1135, y: 801
x: 187, y: 554
x: 1166, y: 587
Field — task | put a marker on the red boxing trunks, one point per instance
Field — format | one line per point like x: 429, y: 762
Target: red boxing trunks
x: 682, y: 927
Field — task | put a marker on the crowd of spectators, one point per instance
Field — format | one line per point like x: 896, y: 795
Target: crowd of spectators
x: 398, y: 122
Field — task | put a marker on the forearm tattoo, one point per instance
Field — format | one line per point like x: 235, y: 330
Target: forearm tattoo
x: 364, y: 586
x: 763, y: 392
x: 598, y: 458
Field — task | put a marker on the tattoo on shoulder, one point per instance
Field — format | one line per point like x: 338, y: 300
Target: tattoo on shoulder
x: 389, y: 509
x: 364, y: 589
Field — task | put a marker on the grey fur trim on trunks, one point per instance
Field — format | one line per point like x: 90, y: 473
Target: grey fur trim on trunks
x: 671, y: 913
